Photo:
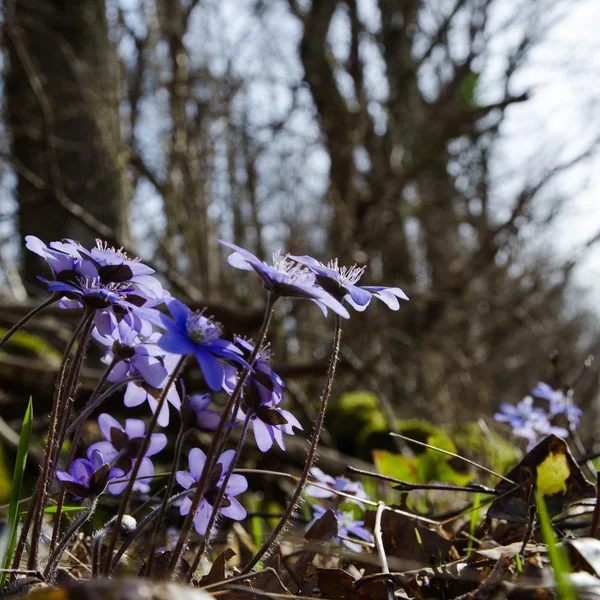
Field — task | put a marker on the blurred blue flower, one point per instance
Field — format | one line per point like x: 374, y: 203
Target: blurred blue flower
x: 559, y: 404
x: 336, y: 484
x: 346, y: 525
x: 528, y: 421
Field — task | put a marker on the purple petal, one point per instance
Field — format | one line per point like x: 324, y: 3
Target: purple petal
x: 106, y: 423
x: 82, y: 470
x: 211, y: 369
x: 185, y: 506
x: 144, y: 475
x: 157, y: 442
x: 35, y: 245
x: 176, y: 343
x: 359, y: 295
x: 134, y: 395
x: 96, y: 459
x: 179, y: 311
x: 196, y: 460
x: 106, y: 448
x: 163, y: 415
x: 151, y: 370
x: 263, y: 435
x: 185, y: 480
x: 225, y: 460
x: 63, y: 475
x: 134, y: 428
x: 236, y: 485
x: 234, y: 511
x: 202, y: 517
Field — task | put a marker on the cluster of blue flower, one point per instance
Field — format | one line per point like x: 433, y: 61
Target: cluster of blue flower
x: 534, y: 422
x: 145, y: 352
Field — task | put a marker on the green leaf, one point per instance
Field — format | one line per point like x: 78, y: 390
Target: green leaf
x: 468, y: 90
x: 13, y: 514
x: 51, y: 510
x: 395, y: 465
x: 557, y: 554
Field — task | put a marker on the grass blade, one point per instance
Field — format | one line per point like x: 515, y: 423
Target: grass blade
x: 557, y: 554
x: 19, y: 471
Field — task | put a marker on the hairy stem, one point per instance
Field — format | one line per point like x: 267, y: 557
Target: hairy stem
x: 47, y: 470
x: 36, y: 311
x: 79, y: 520
x: 143, y: 524
x: 94, y: 404
x: 311, y: 452
x: 136, y: 465
x: 183, y: 430
x: 212, y: 454
x: 63, y: 419
x: 218, y: 500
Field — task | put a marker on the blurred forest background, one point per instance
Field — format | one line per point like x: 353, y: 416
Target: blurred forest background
x: 374, y: 131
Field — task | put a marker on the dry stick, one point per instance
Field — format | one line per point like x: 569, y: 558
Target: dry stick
x: 340, y: 493
x: 75, y: 443
x: 381, y: 550
x: 183, y: 430
x: 44, y: 479
x: 211, y: 457
x: 136, y: 466
x: 218, y: 500
x: 407, y: 487
x: 454, y: 455
x: 312, y: 451
x: 36, y: 311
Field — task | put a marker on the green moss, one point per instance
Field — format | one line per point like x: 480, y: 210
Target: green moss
x: 28, y: 344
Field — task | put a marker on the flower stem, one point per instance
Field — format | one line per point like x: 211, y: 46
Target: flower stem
x: 183, y: 430
x: 211, y: 457
x: 312, y: 451
x: 45, y: 478
x: 137, y: 463
x: 36, y: 311
x: 79, y: 520
x: 143, y: 524
x: 93, y: 404
x: 74, y: 445
x: 218, y: 500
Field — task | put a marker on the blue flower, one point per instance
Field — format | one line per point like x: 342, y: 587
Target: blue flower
x: 195, y: 412
x: 285, y: 278
x: 237, y: 484
x: 121, y: 449
x: 346, y: 525
x: 341, y: 282
x: 336, y: 484
x: 528, y: 422
x: 138, y: 392
x: 192, y: 333
x: 559, y: 404
x: 88, y: 478
x: 261, y: 396
x: 135, y: 354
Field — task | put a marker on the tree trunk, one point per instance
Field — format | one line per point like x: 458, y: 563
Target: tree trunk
x: 62, y: 105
